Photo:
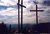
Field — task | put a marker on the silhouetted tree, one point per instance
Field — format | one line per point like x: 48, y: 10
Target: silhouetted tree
x: 10, y: 29
x: 3, y: 28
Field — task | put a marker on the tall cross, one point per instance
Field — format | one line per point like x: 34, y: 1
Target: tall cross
x: 37, y: 13
x: 20, y: 5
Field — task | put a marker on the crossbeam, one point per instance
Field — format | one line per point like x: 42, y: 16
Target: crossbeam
x: 37, y: 10
x: 36, y: 13
x: 21, y: 5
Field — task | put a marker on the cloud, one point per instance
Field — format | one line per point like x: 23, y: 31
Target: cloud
x: 42, y: 15
x: 47, y: 3
x: 10, y: 2
x: 9, y: 13
x: 9, y: 19
x: 11, y: 16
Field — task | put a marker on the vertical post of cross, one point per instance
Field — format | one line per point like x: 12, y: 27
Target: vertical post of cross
x: 21, y: 14
x: 18, y: 16
x: 36, y: 15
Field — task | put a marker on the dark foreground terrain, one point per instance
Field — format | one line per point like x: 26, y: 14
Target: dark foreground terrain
x: 26, y: 28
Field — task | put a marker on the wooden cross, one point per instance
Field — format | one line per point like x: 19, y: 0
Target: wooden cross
x: 37, y: 13
x: 21, y: 13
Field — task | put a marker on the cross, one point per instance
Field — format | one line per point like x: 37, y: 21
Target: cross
x: 37, y: 13
x: 21, y: 13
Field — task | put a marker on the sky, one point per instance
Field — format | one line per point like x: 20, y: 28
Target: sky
x: 9, y: 11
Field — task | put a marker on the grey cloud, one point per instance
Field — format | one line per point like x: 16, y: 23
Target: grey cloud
x: 9, y: 19
x: 46, y: 2
x: 6, y: 7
